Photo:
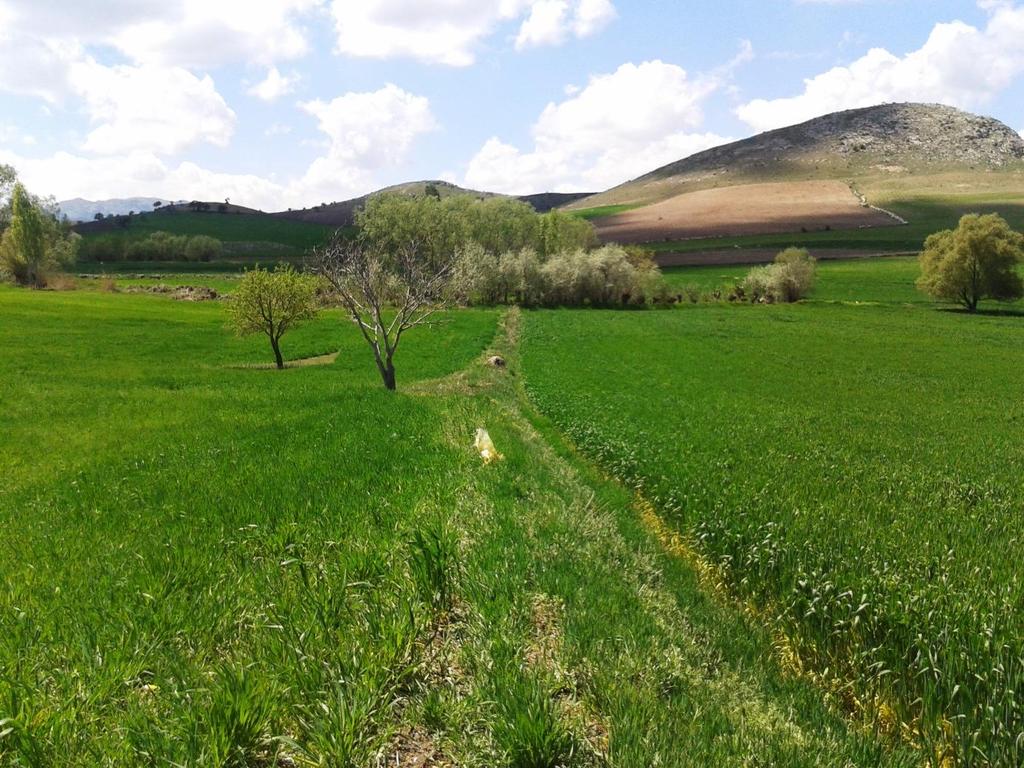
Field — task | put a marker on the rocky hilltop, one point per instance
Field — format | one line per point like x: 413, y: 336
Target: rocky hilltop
x: 885, y: 139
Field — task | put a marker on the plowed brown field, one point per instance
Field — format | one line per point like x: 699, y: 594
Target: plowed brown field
x: 751, y: 209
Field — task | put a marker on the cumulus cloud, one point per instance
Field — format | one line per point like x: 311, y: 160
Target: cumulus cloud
x: 365, y: 133
x: 184, y: 33
x: 154, y: 102
x: 147, y: 108
x: 959, y: 65
x: 551, y: 22
x: 619, y: 126
x: 450, y: 31
x: 274, y: 85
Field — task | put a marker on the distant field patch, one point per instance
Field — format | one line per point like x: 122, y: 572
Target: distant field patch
x: 802, y: 206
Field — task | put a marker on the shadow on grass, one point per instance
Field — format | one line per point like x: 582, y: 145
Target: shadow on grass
x: 981, y: 312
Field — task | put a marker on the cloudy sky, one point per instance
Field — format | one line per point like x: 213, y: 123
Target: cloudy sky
x: 290, y: 103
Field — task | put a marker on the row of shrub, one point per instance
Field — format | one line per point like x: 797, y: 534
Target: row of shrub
x: 788, y: 279
x: 603, y: 277
x: 158, y: 246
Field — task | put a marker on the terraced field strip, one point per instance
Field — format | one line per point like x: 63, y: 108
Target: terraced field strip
x: 749, y: 209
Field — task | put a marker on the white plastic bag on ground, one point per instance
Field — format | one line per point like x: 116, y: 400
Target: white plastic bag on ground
x: 485, y: 446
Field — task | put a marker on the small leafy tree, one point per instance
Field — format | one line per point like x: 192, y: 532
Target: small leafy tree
x: 975, y: 261
x: 35, y: 244
x: 273, y: 303
x: 387, y: 291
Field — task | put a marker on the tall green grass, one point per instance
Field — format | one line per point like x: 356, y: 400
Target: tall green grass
x: 854, y: 470
x: 209, y: 565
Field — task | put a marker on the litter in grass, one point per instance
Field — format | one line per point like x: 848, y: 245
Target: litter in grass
x: 486, y: 447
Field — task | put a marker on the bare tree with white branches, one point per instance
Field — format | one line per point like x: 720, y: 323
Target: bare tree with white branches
x: 386, y: 292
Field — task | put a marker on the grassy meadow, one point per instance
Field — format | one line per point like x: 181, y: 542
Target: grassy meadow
x: 851, y: 466
x: 207, y: 564
x: 247, y: 238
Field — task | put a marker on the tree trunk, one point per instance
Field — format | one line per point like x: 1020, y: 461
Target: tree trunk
x: 277, y: 353
x: 387, y: 373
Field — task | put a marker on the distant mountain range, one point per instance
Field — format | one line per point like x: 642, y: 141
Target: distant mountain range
x: 86, y: 210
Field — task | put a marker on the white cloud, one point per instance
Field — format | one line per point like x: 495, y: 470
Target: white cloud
x: 208, y: 33
x: 547, y: 24
x: 619, y: 126
x: 959, y: 65
x: 184, y: 33
x: 274, y: 85
x: 10, y: 134
x: 136, y: 175
x: 591, y: 16
x: 149, y: 108
x: 366, y: 133
x: 450, y: 31
x: 35, y: 67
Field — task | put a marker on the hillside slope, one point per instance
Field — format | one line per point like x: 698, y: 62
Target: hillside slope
x: 342, y: 214
x: 890, y: 140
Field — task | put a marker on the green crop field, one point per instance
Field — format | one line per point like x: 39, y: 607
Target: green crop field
x: 851, y: 465
x: 875, y: 280
x: 207, y: 564
x: 925, y: 215
x: 231, y: 228
x: 247, y: 238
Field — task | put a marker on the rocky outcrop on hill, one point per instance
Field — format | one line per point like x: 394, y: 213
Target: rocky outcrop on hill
x: 890, y: 136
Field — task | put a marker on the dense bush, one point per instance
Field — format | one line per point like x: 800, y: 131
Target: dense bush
x: 159, y: 246
x: 790, y: 278
x: 607, y: 276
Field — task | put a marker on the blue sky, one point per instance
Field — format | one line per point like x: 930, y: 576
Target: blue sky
x: 296, y: 102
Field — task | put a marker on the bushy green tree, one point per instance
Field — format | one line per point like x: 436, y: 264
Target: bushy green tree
x: 441, y: 227
x: 521, y: 277
x: 790, y: 278
x: 272, y: 303
x: 562, y: 232
x: 389, y: 223
x: 475, y: 276
x: 203, y: 248
x: 35, y: 244
x: 977, y: 260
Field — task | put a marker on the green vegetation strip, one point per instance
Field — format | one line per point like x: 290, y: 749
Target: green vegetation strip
x: 925, y: 216
x: 853, y: 470
x: 219, y: 567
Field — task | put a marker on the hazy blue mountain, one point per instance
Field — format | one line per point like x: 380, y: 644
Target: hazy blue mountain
x: 85, y: 210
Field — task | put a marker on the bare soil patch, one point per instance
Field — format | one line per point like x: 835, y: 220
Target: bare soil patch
x: 749, y: 209
x: 302, y: 362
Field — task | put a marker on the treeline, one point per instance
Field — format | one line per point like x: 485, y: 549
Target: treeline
x: 504, y: 252
x: 158, y: 246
